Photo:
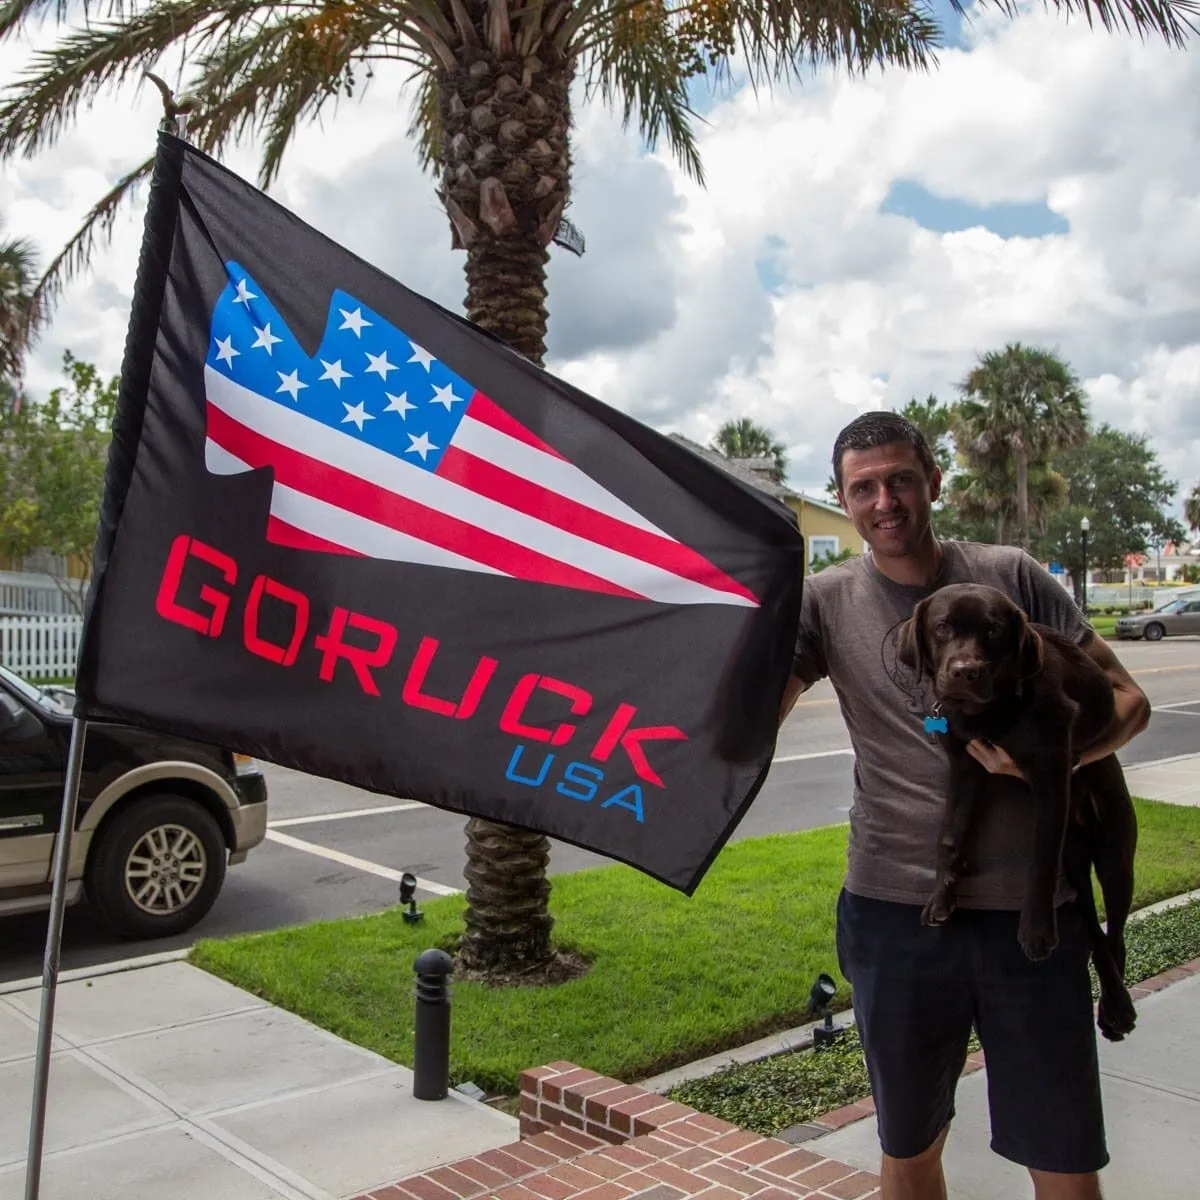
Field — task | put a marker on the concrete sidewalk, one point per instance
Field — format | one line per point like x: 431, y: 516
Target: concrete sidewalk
x: 166, y: 1081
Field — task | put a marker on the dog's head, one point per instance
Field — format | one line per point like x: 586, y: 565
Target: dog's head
x: 971, y: 641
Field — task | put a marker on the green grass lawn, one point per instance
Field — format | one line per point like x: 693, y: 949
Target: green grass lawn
x: 672, y: 978
x: 1106, y: 627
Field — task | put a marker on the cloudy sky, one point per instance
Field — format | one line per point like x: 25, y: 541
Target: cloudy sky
x: 859, y: 241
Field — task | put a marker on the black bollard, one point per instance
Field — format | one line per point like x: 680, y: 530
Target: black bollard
x: 431, y: 1026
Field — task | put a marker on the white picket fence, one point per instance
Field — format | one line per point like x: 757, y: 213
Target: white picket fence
x: 40, y: 646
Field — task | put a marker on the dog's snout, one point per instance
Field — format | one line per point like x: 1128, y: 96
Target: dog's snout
x: 967, y: 670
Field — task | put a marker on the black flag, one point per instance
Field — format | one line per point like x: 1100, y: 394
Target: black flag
x: 348, y: 532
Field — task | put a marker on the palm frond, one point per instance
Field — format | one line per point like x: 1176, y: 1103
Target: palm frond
x: 1172, y: 20
x: 642, y: 69
x: 72, y: 72
x: 425, y: 127
x: 98, y: 223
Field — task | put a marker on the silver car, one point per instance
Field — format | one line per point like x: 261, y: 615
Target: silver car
x: 1180, y: 616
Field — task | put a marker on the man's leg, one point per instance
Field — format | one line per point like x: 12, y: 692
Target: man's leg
x: 1051, y: 1185
x: 1036, y: 1023
x: 917, y: 1178
x: 913, y: 1007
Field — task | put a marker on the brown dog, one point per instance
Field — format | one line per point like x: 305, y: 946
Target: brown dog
x: 1026, y: 688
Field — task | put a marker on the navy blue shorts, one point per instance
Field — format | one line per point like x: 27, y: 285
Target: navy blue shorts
x: 918, y: 991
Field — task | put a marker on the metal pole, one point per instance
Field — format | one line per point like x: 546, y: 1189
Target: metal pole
x: 58, y: 904
x: 1085, y: 573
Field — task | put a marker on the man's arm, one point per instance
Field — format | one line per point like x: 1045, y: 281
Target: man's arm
x: 1133, y: 708
x: 795, y: 688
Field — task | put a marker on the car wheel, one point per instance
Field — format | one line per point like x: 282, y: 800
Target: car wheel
x: 1153, y: 632
x: 157, y: 868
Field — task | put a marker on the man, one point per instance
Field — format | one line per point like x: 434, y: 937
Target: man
x: 919, y: 990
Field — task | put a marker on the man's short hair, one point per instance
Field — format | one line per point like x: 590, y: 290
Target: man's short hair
x: 880, y: 429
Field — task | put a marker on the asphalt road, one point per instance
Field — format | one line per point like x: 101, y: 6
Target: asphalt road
x: 336, y: 851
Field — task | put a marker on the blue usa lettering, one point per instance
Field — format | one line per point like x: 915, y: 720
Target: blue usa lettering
x: 578, y: 781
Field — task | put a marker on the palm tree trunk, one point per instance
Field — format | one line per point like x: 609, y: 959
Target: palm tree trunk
x: 505, y: 183
x: 508, y: 919
x: 1022, y: 463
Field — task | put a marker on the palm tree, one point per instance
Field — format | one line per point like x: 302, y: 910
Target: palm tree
x: 491, y: 119
x: 20, y: 314
x: 1020, y: 405
x: 743, y: 438
x: 1191, y: 510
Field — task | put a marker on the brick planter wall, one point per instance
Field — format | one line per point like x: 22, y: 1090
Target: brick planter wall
x: 562, y: 1094
x: 586, y: 1136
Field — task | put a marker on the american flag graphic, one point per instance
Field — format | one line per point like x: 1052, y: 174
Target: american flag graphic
x: 379, y: 449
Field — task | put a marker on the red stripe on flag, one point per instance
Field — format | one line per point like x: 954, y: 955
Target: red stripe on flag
x: 343, y: 490
x: 488, y: 412
x: 282, y: 534
x: 511, y: 490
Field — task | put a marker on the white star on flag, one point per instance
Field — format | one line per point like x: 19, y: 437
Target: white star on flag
x: 445, y: 396
x: 334, y: 372
x: 420, y: 445
x: 354, y: 321
x: 379, y: 364
x: 356, y: 414
x: 399, y: 404
x: 290, y: 383
x: 225, y: 351
x: 244, y: 294
x: 421, y: 355
x: 265, y: 339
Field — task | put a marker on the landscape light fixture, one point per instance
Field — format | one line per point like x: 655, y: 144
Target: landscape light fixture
x: 819, y: 999
x: 408, y: 890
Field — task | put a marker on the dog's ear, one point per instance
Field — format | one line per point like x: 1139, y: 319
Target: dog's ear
x: 1031, y: 653
x: 912, y: 643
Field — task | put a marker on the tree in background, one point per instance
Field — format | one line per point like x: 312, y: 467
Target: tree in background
x: 1191, y: 510
x: 20, y: 312
x: 1020, y: 406
x: 744, y: 438
x: 52, y: 459
x: 1114, y: 479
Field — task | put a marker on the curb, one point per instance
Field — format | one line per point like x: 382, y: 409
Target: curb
x: 108, y: 968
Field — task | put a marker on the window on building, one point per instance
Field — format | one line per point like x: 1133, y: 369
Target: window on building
x: 822, y: 547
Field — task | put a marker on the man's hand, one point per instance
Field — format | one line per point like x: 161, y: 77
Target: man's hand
x: 993, y: 759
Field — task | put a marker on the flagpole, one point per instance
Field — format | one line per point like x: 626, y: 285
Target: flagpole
x: 58, y: 904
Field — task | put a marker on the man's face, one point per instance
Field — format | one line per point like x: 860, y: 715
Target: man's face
x: 889, y: 497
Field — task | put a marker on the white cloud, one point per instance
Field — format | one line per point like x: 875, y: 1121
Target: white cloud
x: 780, y: 291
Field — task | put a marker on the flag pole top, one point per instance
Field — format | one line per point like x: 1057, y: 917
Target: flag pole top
x: 174, y: 119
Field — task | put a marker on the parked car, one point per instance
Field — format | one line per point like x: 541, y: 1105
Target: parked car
x: 159, y: 816
x: 1178, y: 616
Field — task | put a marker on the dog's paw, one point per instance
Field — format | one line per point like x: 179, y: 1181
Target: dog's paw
x: 938, y: 910
x: 1116, y: 1015
x: 1038, y: 936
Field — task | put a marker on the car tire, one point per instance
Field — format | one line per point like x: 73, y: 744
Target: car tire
x: 1153, y: 632
x: 157, y: 867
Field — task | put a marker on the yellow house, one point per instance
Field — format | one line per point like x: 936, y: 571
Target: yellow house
x: 826, y: 529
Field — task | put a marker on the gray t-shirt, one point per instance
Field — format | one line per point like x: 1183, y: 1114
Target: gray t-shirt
x: 848, y: 626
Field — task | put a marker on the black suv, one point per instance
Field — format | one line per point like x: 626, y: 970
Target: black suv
x: 158, y: 815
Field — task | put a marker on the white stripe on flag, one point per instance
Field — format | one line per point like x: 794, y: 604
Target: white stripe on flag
x: 556, y: 474
x: 291, y: 429
x: 342, y: 527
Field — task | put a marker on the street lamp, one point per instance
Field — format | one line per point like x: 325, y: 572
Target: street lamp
x: 1084, y: 526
